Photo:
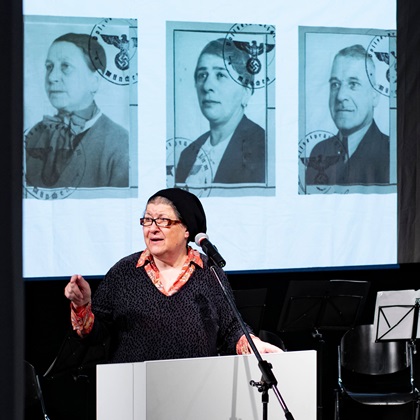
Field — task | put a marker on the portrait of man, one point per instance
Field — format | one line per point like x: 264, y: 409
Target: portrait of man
x: 359, y: 153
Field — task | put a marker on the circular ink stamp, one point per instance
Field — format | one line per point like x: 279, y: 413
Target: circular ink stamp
x: 199, y: 181
x: 314, y: 169
x: 113, y: 50
x: 249, y: 54
x: 382, y: 51
x: 50, y: 174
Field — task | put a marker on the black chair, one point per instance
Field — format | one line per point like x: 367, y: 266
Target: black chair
x: 375, y: 373
x: 272, y: 338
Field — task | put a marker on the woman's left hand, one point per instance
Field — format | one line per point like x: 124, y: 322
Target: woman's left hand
x: 264, y: 346
x: 243, y: 346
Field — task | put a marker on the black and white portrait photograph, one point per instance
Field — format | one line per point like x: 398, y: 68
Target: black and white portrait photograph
x: 347, y: 137
x: 80, y: 97
x: 221, y: 106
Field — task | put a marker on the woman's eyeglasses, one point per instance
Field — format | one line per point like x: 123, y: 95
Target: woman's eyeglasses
x: 160, y: 221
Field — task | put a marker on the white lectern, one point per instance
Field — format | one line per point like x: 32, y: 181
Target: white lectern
x: 213, y: 388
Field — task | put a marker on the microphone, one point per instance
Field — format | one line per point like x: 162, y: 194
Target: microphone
x: 202, y: 240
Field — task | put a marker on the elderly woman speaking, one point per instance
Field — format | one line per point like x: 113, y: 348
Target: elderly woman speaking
x: 163, y: 302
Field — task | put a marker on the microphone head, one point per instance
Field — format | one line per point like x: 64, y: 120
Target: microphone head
x: 199, y: 237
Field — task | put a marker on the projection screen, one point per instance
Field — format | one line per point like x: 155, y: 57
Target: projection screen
x: 85, y: 184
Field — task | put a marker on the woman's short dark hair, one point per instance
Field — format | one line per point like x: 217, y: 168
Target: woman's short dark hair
x: 92, y: 50
x: 237, y: 58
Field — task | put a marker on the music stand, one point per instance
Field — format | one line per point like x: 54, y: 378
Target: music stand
x: 251, y: 305
x: 326, y: 304
x: 397, y: 315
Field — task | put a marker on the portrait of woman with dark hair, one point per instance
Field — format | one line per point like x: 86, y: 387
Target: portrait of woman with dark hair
x: 234, y: 146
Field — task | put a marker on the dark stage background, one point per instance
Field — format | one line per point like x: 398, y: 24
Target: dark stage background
x: 47, y: 323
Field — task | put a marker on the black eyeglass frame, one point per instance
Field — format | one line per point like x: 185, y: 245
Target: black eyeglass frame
x: 159, y: 221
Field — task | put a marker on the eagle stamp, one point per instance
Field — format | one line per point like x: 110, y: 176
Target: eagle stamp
x: 200, y: 180
x: 382, y: 51
x: 258, y: 41
x: 120, y: 44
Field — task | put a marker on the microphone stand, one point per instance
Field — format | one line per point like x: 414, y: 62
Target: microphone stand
x: 268, y: 380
